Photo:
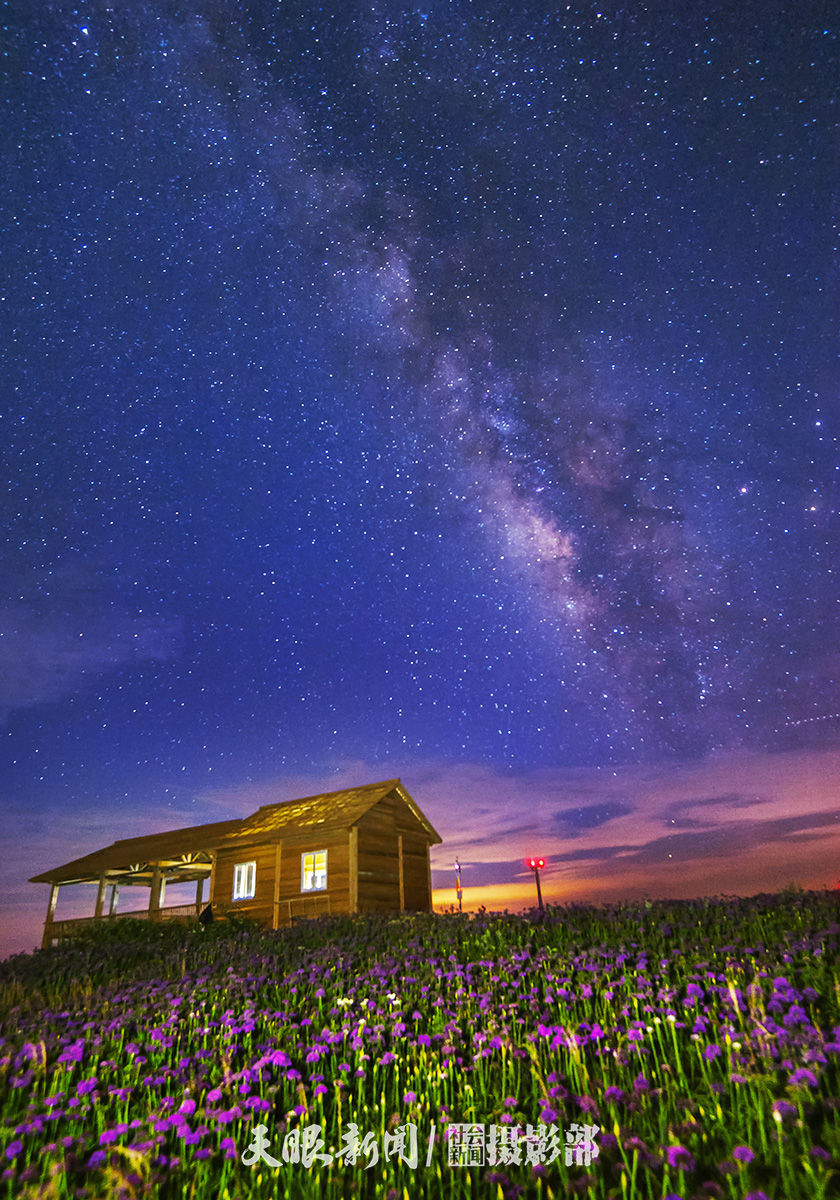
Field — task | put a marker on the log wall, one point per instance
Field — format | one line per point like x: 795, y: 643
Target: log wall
x: 277, y: 894
x: 380, y: 831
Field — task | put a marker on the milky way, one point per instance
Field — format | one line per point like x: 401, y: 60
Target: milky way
x: 454, y: 384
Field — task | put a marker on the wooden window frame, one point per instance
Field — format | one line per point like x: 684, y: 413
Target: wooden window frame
x: 243, y: 874
x: 313, y: 854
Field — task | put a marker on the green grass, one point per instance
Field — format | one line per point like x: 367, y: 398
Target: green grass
x: 701, y: 1038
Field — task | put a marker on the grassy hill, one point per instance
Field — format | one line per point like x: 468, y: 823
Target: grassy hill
x: 688, y: 1049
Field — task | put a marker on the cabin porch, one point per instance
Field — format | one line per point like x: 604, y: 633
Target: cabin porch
x: 155, y: 876
x: 69, y: 926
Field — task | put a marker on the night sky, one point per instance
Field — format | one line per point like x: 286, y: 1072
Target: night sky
x: 442, y: 391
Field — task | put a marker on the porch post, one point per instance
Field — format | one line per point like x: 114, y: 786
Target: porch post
x: 100, y: 897
x: 402, y: 875
x: 46, y: 941
x: 115, y: 895
x: 354, y: 870
x: 154, y: 895
x: 275, y: 905
x: 199, y: 891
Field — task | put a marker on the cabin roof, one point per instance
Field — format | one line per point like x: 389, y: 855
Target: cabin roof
x: 341, y: 809
x: 172, y: 847
x: 179, y: 848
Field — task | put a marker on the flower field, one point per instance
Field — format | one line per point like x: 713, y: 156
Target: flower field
x: 696, y: 1042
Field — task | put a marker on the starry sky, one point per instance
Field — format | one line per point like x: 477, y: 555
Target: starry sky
x: 443, y: 391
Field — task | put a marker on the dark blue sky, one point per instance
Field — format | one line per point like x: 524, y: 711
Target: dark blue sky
x: 454, y: 384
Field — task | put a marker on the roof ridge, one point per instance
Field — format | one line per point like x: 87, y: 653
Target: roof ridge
x: 384, y: 783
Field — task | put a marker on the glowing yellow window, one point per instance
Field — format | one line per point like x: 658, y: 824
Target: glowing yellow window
x: 313, y: 871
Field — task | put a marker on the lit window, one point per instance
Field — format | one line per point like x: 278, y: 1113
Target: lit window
x: 244, y: 880
x: 313, y: 871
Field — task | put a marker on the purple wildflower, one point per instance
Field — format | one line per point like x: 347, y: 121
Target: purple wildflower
x: 614, y: 1093
x: 712, y: 1051
x: 410, y: 1098
x: 387, y: 1058
x: 795, y: 1015
x: 681, y: 1158
x: 756, y: 1196
x: 97, y: 1158
x: 14, y: 1149
x: 110, y: 1135
x: 743, y: 1154
x: 803, y: 1075
x: 548, y: 1116
x: 783, y: 1109
x: 225, y: 1117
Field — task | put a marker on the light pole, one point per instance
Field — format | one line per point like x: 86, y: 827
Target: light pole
x: 535, y: 864
x: 458, y: 891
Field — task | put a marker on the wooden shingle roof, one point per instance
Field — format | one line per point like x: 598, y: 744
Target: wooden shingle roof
x: 340, y: 809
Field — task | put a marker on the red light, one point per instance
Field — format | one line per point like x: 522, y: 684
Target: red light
x: 535, y: 863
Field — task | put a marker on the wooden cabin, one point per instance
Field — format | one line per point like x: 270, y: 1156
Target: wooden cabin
x: 358, y: 850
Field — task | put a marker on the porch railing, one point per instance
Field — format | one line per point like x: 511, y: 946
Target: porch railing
x: 302, y: 907
x: 71, y: 925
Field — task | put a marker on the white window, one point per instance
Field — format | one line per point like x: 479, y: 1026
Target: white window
x: 244, y: 880
x: 313, y: 871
